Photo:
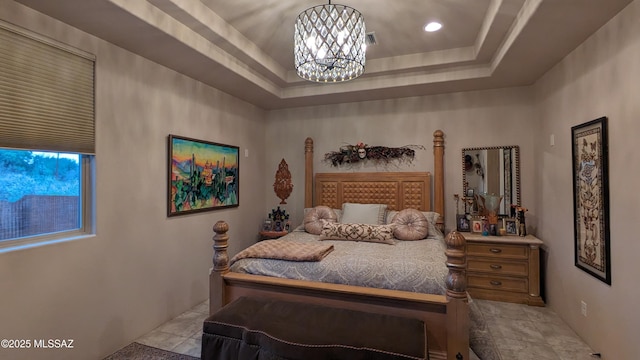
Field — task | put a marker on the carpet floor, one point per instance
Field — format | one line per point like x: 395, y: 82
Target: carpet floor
x: 136, y: 351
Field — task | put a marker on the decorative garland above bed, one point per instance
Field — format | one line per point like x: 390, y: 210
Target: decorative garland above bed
x: 350, y: 154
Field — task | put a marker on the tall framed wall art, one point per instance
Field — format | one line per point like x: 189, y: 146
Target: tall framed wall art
x: 591, y: 198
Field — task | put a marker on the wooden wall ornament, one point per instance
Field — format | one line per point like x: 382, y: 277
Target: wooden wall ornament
x: 283, y: 185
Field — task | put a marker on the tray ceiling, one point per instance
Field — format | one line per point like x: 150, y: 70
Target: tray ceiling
x: 245, y: 47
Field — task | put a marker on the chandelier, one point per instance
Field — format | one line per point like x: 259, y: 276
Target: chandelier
x: 329, y: 43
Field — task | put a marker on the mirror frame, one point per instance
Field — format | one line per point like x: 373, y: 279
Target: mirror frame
x: 516, y: 166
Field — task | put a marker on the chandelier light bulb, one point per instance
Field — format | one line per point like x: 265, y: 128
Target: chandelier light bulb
x: 341, y: 36
x: 322, y: 52
x: 311, y: 42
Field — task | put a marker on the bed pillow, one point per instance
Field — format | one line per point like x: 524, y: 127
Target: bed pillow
x: 358, y: 232
x: 315, y: 218
x: 432, y: 219
x: 372, y: 214
x: 410, y: 224
x: 338, y: 214
x: 337, y: 211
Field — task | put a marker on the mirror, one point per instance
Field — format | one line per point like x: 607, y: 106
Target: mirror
x: 492, y: 170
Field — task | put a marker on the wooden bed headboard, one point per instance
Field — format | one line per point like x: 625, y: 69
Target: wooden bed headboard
x: 399, y: 190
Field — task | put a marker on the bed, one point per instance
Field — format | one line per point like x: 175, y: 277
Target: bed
x: 444, y: 309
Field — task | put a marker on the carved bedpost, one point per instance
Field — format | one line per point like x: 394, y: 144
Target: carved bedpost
x: 438, y: 164
x: 457, y: 263
x: 308, y: 173
x: 220, y: 240
x: 456, y: 283
x: 220, y: 266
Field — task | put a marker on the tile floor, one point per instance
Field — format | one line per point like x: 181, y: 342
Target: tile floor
x: 532, y: 333
x: 521, y: 333
x: 182, y: 334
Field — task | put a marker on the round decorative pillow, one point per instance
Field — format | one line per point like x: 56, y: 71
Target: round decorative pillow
x: 411, y: 224
x: 315, y: 218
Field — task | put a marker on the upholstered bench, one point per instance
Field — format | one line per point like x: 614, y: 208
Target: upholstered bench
x: 255, y: 328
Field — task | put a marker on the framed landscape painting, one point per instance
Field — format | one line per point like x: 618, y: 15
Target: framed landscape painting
x: 203, y: 176
x: 591, y: 198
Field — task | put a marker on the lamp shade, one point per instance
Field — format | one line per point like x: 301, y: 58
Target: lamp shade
x: 329, y: 43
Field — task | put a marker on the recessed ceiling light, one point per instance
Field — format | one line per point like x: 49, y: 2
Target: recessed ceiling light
x: 433, y: 26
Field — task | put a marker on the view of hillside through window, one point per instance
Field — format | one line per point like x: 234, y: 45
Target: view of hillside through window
x: 39, y: 193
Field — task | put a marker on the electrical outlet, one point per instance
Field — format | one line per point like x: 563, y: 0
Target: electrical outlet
x: 583, y: 308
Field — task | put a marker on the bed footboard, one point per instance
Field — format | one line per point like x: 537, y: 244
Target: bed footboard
x: 447, y: 317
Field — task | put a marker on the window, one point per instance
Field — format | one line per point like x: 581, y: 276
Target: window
x: 47, y: 142
x: 40, y: 194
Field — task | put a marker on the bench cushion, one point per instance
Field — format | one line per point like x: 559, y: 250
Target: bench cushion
x: 253, y: 328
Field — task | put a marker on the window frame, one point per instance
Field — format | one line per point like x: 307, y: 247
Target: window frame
x: 87, y: 226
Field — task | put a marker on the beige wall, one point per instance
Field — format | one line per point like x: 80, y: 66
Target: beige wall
x: 469, y: 119
x: 600, y: 78
x: 107, y: 290
x: 141, y: 268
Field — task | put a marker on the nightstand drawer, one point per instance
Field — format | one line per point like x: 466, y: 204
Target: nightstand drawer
x: 504, y: 268
x: 498, y: 283
x: 520, y: 268
x: 498, y: 250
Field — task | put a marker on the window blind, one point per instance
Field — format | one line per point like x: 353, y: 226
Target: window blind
x: 46, y: 94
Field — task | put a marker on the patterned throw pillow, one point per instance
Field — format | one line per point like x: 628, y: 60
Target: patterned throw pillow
x: 358, y: 232
x: 411, y: 224
x: 315, y: 218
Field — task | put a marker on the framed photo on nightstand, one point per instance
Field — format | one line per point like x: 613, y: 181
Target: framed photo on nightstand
x: 267, y: 225
x: 510, y: 226
x: 476, y: 226
x: 462, y: 223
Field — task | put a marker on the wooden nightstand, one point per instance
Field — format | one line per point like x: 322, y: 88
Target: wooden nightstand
x: 504, y: 268
x: 270, y: 235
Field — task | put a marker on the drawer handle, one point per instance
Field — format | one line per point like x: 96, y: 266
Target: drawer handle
x: 495, y: 267
x: 495, y: 250
x: 495, y: 282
